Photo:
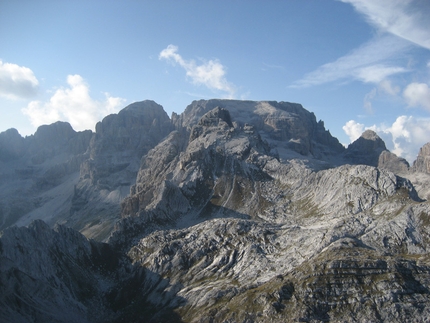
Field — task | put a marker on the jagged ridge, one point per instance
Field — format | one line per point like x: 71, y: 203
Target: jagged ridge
x: 245, y: 212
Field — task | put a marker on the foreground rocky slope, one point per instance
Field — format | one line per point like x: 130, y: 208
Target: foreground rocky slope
x: 59, y: 276
x: 245, y: 212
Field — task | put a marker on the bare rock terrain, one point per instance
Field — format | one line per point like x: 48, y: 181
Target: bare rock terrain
x: 233, y: 211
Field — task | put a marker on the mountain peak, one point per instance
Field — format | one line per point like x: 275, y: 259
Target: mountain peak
x: 366, y: 149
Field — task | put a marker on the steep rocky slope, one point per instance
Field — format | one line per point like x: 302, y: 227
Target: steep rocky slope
x: 59, y: 276
x: 238, y: 211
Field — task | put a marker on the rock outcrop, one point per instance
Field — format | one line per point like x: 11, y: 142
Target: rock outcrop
x: 392, y: 162
x: 422, y: 163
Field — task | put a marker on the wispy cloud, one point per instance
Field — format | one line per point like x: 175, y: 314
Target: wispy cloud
x: 367, y: 102
x: 404, y: 137
x: 387, y: 87
x: 370, y: 63
x: 17, y: 82
x: 74, y: 105
x: 400, y: 24
x: 407, y: 19
x: 417, y: 95
x: 210, y: 73
x: 272, y: 66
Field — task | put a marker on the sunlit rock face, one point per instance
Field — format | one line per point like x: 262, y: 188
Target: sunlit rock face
x: 233, y: 211
x: 288, y: 126
x: 422, y: 163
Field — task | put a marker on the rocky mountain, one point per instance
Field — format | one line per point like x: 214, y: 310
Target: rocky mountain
x: 370, y: 150
x: 38, y: 173
x: 233, y: 211
x: 113, y: 159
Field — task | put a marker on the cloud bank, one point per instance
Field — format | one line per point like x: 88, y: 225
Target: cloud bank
x: 210, y: 73
x: 404, y: 137
x: 17, y: 82
x: 74, y: 105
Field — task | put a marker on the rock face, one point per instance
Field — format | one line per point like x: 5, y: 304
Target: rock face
x: 422, y: 163
x: 286, y: 126
x: 390, y: 161
x: 38, y: 173
x: 370, y: 150
x: 366, y: 149
x: 114, y: 155
x: 11, y: 145
x: 237, y: 211
x: 59, y: 276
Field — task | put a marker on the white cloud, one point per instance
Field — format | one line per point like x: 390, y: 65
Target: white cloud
x: 376, y: 73
x: 370, y: 63
x: 17, y: 81
x: 404, y: 137
x: 353, y: 129
x: 407, y: 19
x: 417, y: 95
x: 74, y: 105
x: 211, y: 73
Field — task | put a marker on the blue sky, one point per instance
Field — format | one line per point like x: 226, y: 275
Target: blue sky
x: 356, y: 64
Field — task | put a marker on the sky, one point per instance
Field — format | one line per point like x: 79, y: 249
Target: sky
x: 356, y: 64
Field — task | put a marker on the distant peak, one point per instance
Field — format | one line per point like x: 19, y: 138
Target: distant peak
x: 370, y: 135
x: 146, y: 104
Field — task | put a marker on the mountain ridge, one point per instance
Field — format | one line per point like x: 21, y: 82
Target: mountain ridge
x: 233, y: 211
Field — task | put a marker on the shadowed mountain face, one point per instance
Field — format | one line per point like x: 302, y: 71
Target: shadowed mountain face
x: 113, y: 159
x: 370, y: 150
x: 233, y: 211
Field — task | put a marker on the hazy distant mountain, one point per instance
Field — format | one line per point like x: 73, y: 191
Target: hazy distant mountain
x: 233, y: 211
